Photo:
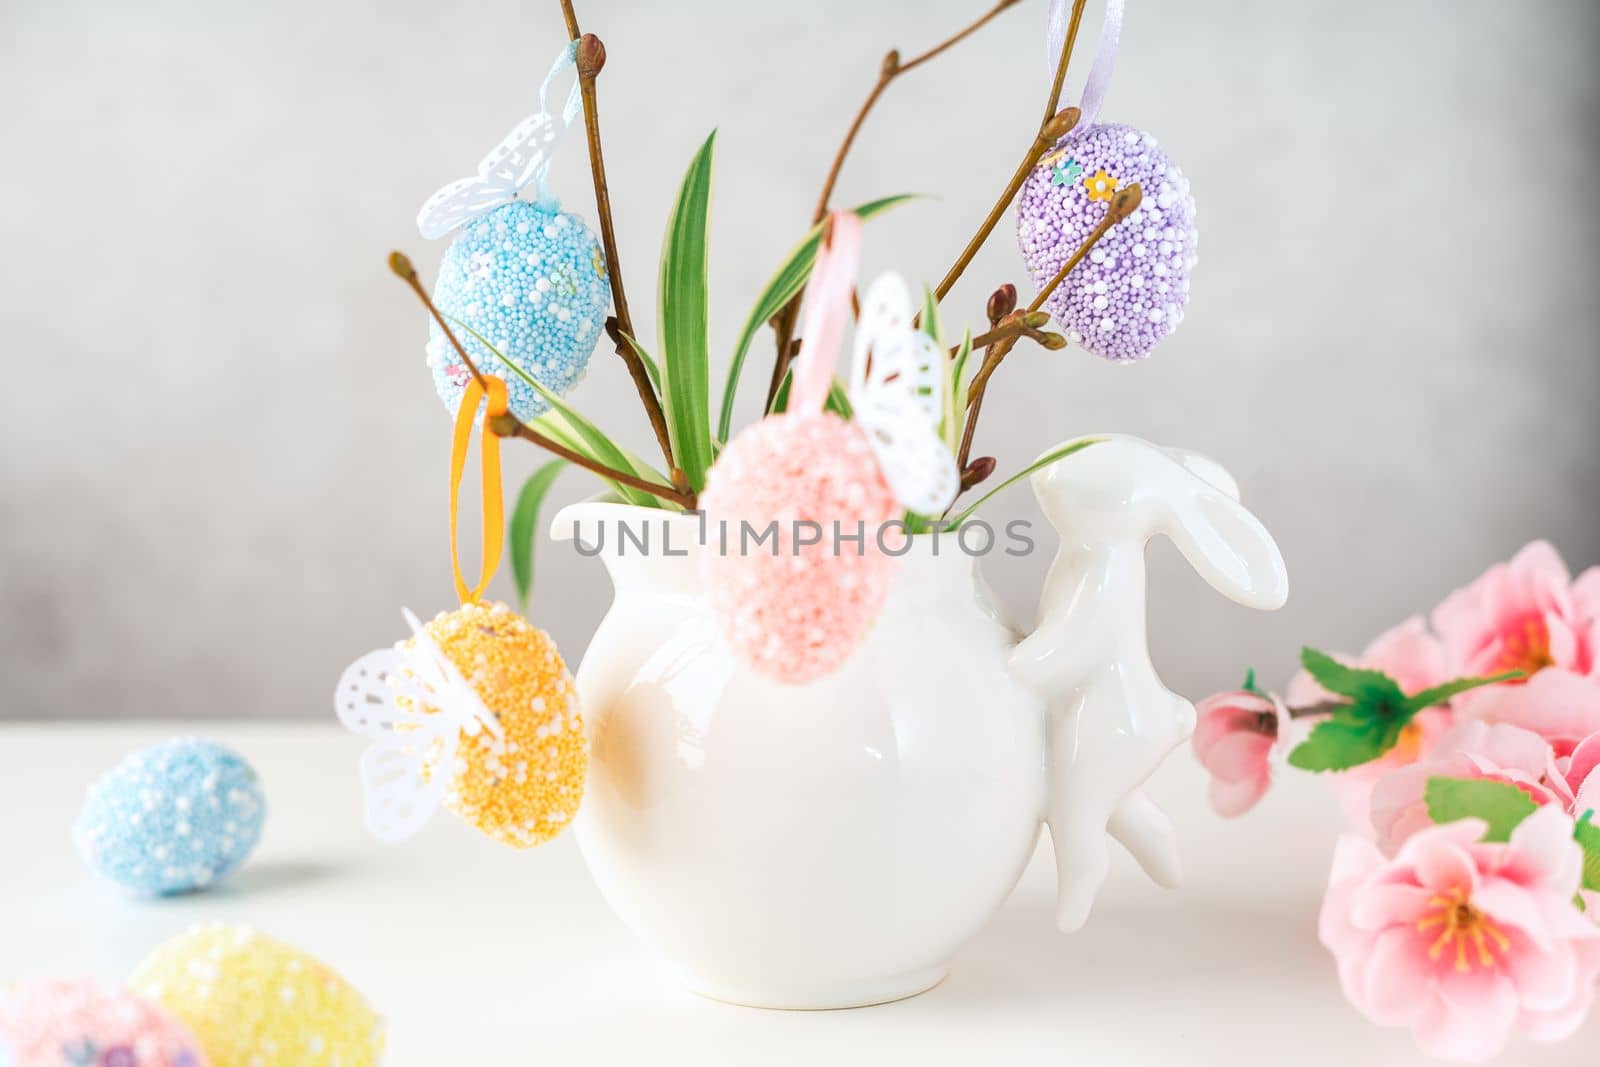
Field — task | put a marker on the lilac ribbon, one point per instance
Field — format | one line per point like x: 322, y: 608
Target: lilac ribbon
x: 1105, y: 56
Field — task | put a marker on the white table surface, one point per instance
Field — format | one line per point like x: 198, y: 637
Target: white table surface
x: 479, y: 955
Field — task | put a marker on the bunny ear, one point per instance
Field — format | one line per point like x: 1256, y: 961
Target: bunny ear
x: 1206, y: 468
x: 1229, y: 547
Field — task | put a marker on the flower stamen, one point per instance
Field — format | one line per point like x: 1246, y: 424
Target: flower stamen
x: 1462, y: 926
x: 1527, y: 648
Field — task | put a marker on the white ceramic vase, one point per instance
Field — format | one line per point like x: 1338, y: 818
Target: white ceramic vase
x: 832, y: 844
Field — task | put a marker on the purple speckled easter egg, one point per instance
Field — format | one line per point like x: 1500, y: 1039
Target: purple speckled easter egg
x: 1131, y: 290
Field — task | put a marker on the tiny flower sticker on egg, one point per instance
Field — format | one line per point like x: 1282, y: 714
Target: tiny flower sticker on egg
x: 75, y: 1022
x: 172, y: 818
x: 1132, y: 291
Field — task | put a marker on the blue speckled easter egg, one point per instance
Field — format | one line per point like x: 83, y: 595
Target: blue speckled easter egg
x: 172, y: 818
x: 532, y: 281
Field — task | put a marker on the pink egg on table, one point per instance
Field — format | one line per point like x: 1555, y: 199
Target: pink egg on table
x: 791, y: 610
x: 77, y: 1022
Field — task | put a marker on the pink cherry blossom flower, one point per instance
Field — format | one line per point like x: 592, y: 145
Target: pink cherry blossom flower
x: 1497, y: 752
x: 1234, y: 736
x: 1558, y: 705
x: 1416, y: 660
x: 1582, y: 773
x: 1524, y: 615
x: 1463, y: 941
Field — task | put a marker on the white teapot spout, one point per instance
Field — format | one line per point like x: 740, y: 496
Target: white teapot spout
x: 1112, y: 721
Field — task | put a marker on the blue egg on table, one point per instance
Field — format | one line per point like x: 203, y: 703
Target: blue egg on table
x: 172, y: 818
x: 530, y: 280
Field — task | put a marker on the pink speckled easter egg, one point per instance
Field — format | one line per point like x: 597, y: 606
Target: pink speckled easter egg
x: 1131, y: 290
x: 76, y: 1022
x: 791, y: 611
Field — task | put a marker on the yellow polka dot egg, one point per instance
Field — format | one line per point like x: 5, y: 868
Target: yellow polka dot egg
x: 523, y: 787
x: 256, y: 1002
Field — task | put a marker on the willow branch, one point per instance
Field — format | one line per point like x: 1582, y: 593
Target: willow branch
x: 508, y: 425
x: 1028, y: 324
x: 1123, y: 203
x: 1055, y: 128
x: 591, y: 57
x: 783, y: 323
x: 992, y: 358
x: 892, y: 68
x: 1055, y: 125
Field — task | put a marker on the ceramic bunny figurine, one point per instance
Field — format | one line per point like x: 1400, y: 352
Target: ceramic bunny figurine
x: 1111, y: 720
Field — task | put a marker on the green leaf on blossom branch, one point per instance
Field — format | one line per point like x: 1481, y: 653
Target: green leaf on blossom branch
x: 1441, y: 693
x: 1347, y: 739
x: 1249, y: 685
x: 1499, y: 804
x: 1588, y: 836
x: 1360, y: 684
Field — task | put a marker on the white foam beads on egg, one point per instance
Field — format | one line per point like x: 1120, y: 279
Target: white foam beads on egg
x: 172, y: 818
x: 791, y: 612
x: 1130, y: 292
x: 256, y: 1002
x: 531, y: 281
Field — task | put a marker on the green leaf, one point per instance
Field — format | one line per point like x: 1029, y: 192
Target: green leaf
x: 1441, y: 693
x: 553, y: 426
x: 590, y: 439
x: 1342, y: 742
x: 930, y: 315
x: 524, y: 530
x: 1358, y: 683
x: 955, y: 408
x: 781, y: 288
x: 838, y: 401
x: 684, y: 320
x: 780, y: 399
x: 1249, y: 685
x: 1587, y: 834
x: 1045, y: 460
x: 1499, y: 804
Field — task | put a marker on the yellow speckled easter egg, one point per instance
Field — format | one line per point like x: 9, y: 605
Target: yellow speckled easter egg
x: 256, y: 1002
x: 524, y: 787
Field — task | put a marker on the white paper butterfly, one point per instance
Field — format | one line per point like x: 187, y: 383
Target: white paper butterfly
x: 509, y: 166
x: 522, y: 157
x: 414, y: 706
x: 897, y: 391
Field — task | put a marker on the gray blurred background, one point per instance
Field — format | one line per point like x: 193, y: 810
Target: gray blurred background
x: 224, y: 465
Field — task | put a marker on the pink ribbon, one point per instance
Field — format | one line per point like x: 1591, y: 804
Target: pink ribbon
x: 833, y: 282
x: 1105, y: 56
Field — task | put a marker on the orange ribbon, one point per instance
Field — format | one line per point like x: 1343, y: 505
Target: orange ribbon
x: 493, y: 508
